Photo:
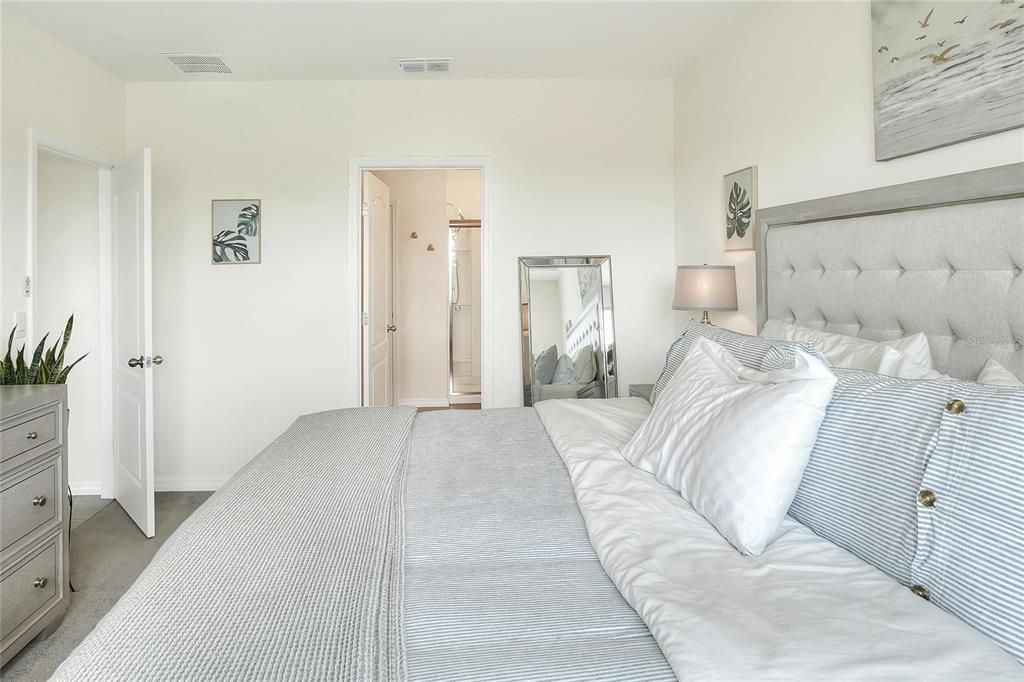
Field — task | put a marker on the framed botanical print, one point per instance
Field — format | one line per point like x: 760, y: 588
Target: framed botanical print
x: 237, y: 231
x: 740, y: 196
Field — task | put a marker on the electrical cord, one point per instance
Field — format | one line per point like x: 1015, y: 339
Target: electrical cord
x: 71, y: 509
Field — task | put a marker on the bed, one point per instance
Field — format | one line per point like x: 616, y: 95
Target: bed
x: 518, y: 544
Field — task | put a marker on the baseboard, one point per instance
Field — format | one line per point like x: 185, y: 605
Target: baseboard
x: 469, y: 399
x: 165, y: 484
x: 423, y: 402
x: 85, y: 488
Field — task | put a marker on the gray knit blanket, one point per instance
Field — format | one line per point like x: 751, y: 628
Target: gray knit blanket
x: 292, y: 571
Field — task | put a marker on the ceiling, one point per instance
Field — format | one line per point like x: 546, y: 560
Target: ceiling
x: 360, y: 40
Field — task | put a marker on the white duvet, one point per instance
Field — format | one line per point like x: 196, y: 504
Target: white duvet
x: 805, y: 609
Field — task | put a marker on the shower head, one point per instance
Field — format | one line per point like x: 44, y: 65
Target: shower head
x: 457, y: 210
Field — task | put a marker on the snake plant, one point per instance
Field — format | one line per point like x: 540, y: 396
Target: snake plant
x: 47, y: 365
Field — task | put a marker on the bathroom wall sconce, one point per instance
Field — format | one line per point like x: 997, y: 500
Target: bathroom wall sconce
x: 430, y: 247
x: 414, y: 235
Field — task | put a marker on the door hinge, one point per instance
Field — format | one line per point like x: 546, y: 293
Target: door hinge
x: 28, y: 286
x: 364, y: 319
x: 366, y: 209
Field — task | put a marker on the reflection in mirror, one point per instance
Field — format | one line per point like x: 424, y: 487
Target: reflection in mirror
x: 567, y: 327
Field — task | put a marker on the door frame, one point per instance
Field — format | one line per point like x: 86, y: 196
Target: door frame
x: 359, y: 164
x: 38, y: 141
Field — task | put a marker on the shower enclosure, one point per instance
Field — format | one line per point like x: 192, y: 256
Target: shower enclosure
x: 464, y: 311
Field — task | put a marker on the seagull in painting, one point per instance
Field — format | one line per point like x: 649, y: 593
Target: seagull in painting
x: 883, y: 48
x: 924, y: 24
x: 921, y: 37
x: 1003, y: 24
x: 941, y: 43
x: 894, y: 60
x: 961, y: 21
x: 1007, y: 2
x: 943, y: 56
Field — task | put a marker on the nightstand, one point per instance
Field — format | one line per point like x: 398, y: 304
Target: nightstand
x: 641, y: 391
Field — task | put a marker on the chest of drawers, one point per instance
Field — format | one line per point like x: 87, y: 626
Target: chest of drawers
x: 34, y: 579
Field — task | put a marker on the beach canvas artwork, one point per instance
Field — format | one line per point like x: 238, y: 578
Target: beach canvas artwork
x: 945, y: 72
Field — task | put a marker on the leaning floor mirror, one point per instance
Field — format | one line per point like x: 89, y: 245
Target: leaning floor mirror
x: 568, y: 328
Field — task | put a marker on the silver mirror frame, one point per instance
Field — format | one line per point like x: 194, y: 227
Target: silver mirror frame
x: 609, y: 354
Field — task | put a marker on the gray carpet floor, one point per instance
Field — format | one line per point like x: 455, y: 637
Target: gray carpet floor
x: 108, y: 552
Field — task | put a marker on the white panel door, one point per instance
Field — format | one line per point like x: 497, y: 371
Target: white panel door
x: 378, y: 315
x: 133, y: 340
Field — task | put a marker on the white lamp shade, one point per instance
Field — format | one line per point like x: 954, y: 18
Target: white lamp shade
x: 705, y: 287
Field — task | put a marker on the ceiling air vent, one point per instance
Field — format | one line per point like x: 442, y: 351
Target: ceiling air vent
x: 198, y: 63
x: 425, y: 64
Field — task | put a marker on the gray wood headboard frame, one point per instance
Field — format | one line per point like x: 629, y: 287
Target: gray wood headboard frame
x: 942, y: 256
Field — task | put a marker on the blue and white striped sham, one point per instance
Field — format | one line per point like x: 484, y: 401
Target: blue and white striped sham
x: 749, y: 350
x: 884, y: 442
x: 970, y: 553
x: 865, y: 470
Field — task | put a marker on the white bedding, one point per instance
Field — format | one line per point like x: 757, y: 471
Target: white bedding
x: 805, y: 609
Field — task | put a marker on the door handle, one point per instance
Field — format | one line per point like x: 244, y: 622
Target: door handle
x: 392, y: 328
x: 156, y: 360
x: 136, y: 362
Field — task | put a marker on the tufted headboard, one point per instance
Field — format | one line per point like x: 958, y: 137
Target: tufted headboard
x: 941, y: 256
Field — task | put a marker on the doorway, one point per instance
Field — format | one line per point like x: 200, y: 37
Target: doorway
x: 421, y: 287
x: 68, y: 236
x: 89, y: 235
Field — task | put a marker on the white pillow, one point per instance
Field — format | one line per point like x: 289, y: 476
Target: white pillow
x: 898, y: 365
x: 734, y: 441
x: 851, y: 352
x: 994, y: 374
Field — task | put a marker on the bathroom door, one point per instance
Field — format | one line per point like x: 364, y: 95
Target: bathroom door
x: 378, y: 315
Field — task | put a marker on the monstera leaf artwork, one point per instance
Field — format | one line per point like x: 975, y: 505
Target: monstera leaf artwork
x: 740, y: 195
x: 737, y: 216
x: 249, y: 220
x: 229, y: 246
x: 236, y: 231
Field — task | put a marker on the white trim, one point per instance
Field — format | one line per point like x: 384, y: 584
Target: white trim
x: 189, y: 484
x: 86, y: 488
x: 41, y: 141
x: 358, y: 164
x: 105, y: 340
x: 422, y: 402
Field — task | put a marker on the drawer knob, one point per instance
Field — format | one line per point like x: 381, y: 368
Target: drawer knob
x: 39, y: 501
x: 32, y: 435
x: 39, y: 583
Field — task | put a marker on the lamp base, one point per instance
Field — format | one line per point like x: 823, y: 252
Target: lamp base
x: 706, y: 319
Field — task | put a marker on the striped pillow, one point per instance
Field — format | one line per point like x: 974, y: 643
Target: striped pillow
x: 970, y: 556
x: 749, y: 350
x: 926, y: 493
x: 866, y: 467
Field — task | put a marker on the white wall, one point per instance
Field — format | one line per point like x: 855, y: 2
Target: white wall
x: 68, y: 232
x: 421, y: 285
x: 49, y: 87
x: 790, y: 92
x: 578, y: 167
